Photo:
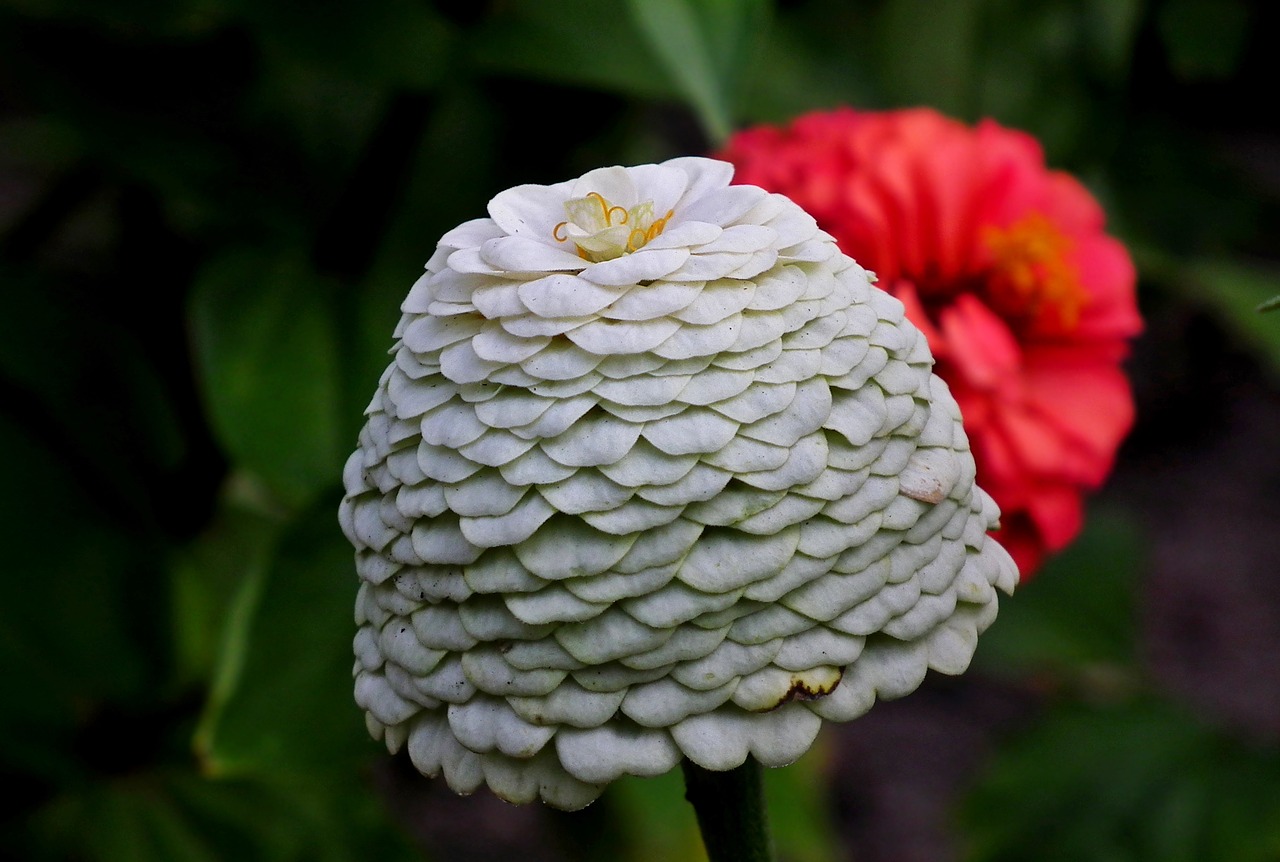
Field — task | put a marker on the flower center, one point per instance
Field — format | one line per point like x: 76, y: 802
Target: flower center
x: 603, y: 231
x: 1031, y: 278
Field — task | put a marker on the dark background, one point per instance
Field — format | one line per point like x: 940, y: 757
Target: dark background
x: 209, y: 212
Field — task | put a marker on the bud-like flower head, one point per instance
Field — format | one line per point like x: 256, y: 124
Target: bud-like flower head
x: 655, y: 473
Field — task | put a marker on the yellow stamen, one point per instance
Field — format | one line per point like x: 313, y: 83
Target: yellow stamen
x: 1031, y: 276
x: 597, y: 238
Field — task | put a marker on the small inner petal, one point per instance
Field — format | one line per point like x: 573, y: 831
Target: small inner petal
x: 601, y: 230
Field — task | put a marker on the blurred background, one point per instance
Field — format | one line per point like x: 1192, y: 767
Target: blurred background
x: 209, y: 212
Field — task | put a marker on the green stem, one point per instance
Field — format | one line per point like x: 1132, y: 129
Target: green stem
x: 731, y: 811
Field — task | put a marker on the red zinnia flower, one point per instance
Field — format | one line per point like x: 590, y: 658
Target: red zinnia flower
x: 1004, y: 265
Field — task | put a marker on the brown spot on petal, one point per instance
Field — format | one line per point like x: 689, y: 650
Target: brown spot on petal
x: 810, y: 685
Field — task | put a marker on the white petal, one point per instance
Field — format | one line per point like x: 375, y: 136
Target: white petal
x: 704, y: 174
x: 604, y: 753
x: 635, y: 516
x: 594, y: 442
x: 642, y: 265
x: 552, y: 604
x: 664, y: 702
x: 569, y: 704
x: 521, y: 254
x: 807, y: 460
x: 701, y: 483
x: 509, y: 528
x: 691, y: 432
x: 529, y: 210
x: 685, y: 235
x: 556, y: 419
x: 567, y: 548
x: 717, y: 300
x: 426, y: 334
x: 440, y: 540
x: 615, y: 184
x: 498, y: 298
x: 779, y: 289
x: 451, y: 425
x: 649, y: 301
x: 608, y: 637
x: 560, y: 361
x: 512, y: 409
x: 585, y: 491
x: 603, y: 337
x: 459, y: 363
x: 707, y: 267
x: 696, y: 341
x: 565, y: 296
x: 485, y: 493
x: 723, y: 206
x: 724, y: 560
x: 645, y: 465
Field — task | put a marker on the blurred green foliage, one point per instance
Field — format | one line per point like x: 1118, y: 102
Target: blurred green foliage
x: 209, y: 211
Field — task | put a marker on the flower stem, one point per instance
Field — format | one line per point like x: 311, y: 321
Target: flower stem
x: 731, y: 811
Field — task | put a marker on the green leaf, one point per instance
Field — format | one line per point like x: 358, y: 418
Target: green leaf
x: 799, y: 814
x: 283, y: 703
x: 173, y: 815
x: 1141, y: 782
x: 1204, y: 39
x: 390, y: 43
x: 662, y: 822
x: 581, y: 42
x: 927, y: 52
x: 265, y: 344
x: 704, y: 46
x: 1237, y: 290
x: 212, y: 580
x: 803, y: 63
x: 80, y: 621
x: 1077, y: 612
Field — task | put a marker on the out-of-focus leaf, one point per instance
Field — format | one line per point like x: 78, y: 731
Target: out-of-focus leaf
x: 1237, y: 290
x: 663, y: 825
x: 1112, y: 27
x: 809, y: 59
x: 799, y: 814
x: 100, y: 372
x: 76, y: 622
x: 1077, y: 611
x: 1270, y: 305
x: 173, y: 815
x: 393, y: 42
x: 927, y: 51
x: 1140, y: 782
x: 285, y: 705
x: 704, y: 46
x: 176, y: 18
x: 1204, y: 38
x: 265, y: 345
x: 582, y: 42
x: 211, y: 580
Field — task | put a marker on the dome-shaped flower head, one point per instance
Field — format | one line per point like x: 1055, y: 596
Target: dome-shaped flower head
x: 1028, y: 305
x: 655, y: 473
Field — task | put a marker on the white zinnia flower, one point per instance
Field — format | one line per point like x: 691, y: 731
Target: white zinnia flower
x: 655, y: 473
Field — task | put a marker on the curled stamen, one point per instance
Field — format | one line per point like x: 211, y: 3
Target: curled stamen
x: 608, y: 217
x: 633, y: 244
x: 555, y: 232
x: 604, y: 204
